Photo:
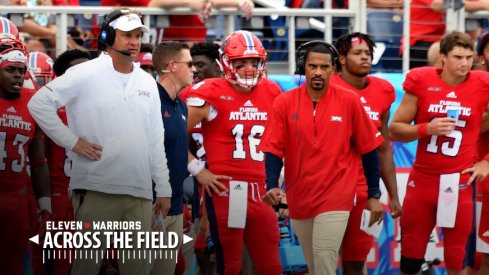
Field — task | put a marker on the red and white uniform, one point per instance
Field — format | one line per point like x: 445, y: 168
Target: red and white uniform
x: 320, y: 147
x: 376, y: 99
x: 437, y: 155
x: 482, y: 201
x: 17, y: 129
x: 231, y: 138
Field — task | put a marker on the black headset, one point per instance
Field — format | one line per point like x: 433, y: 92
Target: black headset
x: 107, y: 35
x: 303, y: 50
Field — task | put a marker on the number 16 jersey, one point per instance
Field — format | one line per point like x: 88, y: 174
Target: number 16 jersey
x: 456, y: 151
x: 235, y: 126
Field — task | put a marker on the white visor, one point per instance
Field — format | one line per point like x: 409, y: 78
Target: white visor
x: 128, y: 22
x: 14, y: 56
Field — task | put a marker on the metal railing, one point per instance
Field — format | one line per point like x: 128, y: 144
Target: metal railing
x: 355, y: 13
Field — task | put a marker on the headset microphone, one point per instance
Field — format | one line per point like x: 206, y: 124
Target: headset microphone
x: 123, y: 52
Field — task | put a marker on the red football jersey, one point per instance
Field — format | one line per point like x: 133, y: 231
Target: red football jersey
x: 196, y: 132
x: 231, y: 138
x: 58, y: 162
x: 376, y: 99
x: 320, y: 146
x: 458, y: 150
x: 17, y: 129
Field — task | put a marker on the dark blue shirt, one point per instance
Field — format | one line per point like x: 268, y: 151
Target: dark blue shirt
x: 174, y: 113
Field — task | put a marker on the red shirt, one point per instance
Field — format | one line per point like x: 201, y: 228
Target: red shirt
x: 319, y: 147
x: 184, y: 28
x: 376, y: 99
x: 231, y: 139
x: 426, y: 24
x: 17, y: 129
x: 58, y: 162
x: 458, y: 150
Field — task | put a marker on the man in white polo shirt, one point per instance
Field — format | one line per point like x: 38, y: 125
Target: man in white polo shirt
x: 115, y: 134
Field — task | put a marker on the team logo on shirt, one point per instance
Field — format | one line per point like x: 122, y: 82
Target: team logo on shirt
x: 14, y: 121
x: 226, y: 97
x: 337, y: 118
x: 143, y: 93
x: 371, y: 114
x: 434, y: 89
x: 451, y: 95
x: 247, y: 112
x: 441, y: 107
x: 11, y: 109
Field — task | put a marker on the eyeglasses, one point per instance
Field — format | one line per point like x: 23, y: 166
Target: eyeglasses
x: 190, y: 64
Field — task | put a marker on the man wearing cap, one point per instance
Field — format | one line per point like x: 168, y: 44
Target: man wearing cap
x: 145, y: 59
x: 115, y: 135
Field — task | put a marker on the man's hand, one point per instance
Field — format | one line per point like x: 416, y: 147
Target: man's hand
x: 246, y: 6
x: 273, y: 196
x: 211, y: 182
x: 162, y: 204
x: 90, y: 150
x: 479, y: 171
x: 396, y: 209
x: 376, y: 211
x: 441, y: 126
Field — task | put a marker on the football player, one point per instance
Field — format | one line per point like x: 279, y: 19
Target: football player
x: 233, y: 111
x: 21, y: 141
x: 355, y: 61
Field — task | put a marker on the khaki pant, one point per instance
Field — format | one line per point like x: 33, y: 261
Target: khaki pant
x: 167, y: 265
x: 320, y: 238
x: 97, y: 206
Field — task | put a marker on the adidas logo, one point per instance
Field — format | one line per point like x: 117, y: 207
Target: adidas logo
x: 362, y: 99
x: 248, y: 103
x: 449, y: 190
x: 452, y: 94
x: 486, y: 234
x: 238, y: 187
x: 411, y: 184
x: 11, y: 109
x: 336, y: 118
x: 166, y: 114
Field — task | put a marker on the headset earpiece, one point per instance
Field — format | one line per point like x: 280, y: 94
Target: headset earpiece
x: 107, y: 35
x: 304, y: 49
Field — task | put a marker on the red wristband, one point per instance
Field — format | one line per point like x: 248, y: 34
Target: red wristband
x: 423, y: 130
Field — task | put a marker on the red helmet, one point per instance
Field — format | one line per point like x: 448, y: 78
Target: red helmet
x: 12, y: 51
x: 41, y: 66
x: 239, y: 45
x: 8, y: 29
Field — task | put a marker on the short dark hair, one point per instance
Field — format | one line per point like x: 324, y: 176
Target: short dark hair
x: 454, y: 39
x: 146, y: 48
x: 62, y: 63
x: 165, y: 51
x: 208, y: 49
x: 344, y: 42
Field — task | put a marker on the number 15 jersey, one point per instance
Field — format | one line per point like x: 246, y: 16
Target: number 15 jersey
x: 458, y: 150
x: 235, y: 126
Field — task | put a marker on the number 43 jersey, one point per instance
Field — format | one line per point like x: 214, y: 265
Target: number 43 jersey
x: 17, y: 128
x: 457, y: 150
x: 235, y: 126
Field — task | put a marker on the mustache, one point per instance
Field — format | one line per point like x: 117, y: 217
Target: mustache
x: 317, y: 78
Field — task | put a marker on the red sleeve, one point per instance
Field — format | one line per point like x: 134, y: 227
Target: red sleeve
x: 412, y: 81
x: 184, y: 93
x: 207, y: 90
x: 390, y: 93
x: 273, y: 140
x: 365, y: 135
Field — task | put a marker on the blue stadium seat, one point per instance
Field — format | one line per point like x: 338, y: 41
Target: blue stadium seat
x: 386, y: 27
